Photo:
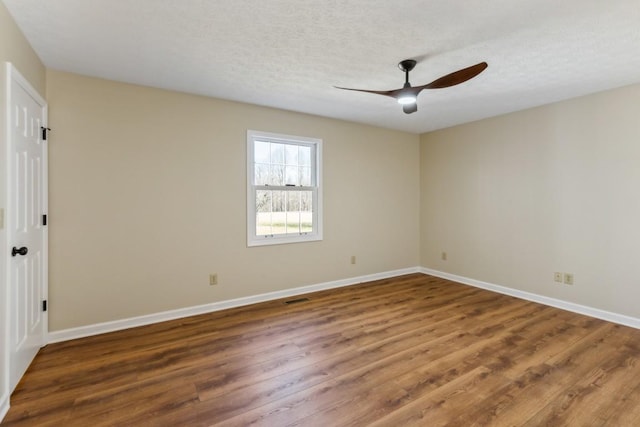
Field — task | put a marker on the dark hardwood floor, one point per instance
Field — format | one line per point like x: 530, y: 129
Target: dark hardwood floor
x: 412, y: 350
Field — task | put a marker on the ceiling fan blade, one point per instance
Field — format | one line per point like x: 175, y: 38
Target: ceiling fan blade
x: 410, y: 108
x: 391, y: 93
x: 456, y: 77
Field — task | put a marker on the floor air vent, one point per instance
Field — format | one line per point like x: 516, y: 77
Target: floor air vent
x: 296, y: 301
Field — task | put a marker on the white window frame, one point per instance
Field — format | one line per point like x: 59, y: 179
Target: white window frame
x: 316, y: 188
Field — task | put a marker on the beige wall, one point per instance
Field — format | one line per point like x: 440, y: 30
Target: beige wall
x: 514, y: 199
x: 15, y: 49
x: 148, y: 196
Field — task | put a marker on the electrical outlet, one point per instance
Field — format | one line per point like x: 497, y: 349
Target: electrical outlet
x: 443, y: 256
x: 353, y: 259
x: 557, y: 277
x: 213, y: 279
x: 568, y: 279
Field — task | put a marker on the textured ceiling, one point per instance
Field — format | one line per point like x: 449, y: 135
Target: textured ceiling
x: 289, y: 53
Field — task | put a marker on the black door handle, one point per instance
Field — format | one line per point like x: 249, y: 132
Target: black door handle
x: 22, y: 251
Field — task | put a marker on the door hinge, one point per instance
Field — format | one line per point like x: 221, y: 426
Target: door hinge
x: 44, y: 219
x: 44, y: 132
x: 44, y: 305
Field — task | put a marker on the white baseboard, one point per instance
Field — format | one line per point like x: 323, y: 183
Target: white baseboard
x: 4, y: 406
x: 117, y: 325
x: 553, y: 302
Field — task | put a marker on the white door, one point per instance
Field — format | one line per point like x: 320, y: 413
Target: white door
x: 27, y: 233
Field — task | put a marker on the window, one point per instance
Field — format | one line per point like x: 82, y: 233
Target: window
x: 284, y: 191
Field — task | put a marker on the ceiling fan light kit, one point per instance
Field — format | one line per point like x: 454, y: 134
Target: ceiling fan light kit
x: 407, y: 99
x: 407, y: 96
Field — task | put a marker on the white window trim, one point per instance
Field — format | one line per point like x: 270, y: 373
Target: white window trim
x: 252, y: 238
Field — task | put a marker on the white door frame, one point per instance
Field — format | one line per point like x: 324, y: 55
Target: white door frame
x: 13, y: 75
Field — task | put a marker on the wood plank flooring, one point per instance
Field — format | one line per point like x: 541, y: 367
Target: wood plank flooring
x: 412, y: 350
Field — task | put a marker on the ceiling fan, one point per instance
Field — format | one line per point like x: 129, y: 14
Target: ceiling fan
x: 408, y: 95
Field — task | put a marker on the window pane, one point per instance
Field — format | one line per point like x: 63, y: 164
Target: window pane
x: 278, y: 201
x: 293, y: 212
x: 304, y: 156
x: 271, y: 214
x: 293, y: 222
x: 278, y: 216
x: 276, y: 175
x: 263, y: 213
x: 293, y: 201
x: 277, y: 153
x: 291, y: 175
x: 261, y: 152
x: 261, y: 174
x: 263, y: 201
x: 306, y: 211
x: 305, y: 176
x: 283, y: 212
x: 291, y: 155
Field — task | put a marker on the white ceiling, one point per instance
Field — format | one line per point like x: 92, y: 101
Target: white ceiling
x: 289, y: 53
